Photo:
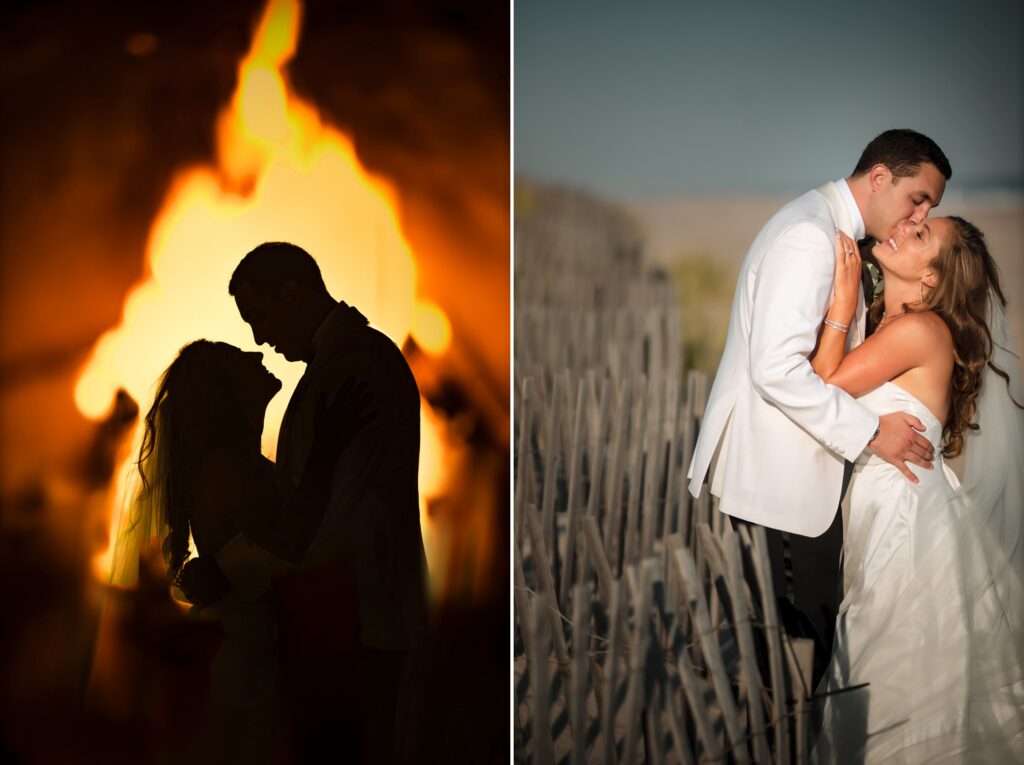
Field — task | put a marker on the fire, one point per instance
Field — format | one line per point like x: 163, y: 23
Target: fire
x: 281, y: 175
x: 431, y: 328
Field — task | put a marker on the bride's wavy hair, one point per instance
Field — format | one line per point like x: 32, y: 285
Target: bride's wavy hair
x: 193, y: 406
x: 967, y: 279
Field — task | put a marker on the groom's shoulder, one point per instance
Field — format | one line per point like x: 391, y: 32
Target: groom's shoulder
x: 370, y: 350
x: 807, y: 212
x: 365, y: 340
x: 811, y: 207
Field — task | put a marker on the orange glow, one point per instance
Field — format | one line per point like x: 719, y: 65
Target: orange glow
x: 431, y: 329
x: 281, y: 175
x: 103, y: 562
x: 431, y: 484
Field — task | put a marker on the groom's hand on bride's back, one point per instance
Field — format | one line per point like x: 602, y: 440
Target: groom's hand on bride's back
x: 899, y: 441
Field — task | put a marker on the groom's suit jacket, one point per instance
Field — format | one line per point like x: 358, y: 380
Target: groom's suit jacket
x: 780, y: 433
x: 368, y: 547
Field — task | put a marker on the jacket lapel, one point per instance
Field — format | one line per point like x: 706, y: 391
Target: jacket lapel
x: 841, y: 219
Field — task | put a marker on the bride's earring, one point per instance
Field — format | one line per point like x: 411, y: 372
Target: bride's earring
x: 922, y: 290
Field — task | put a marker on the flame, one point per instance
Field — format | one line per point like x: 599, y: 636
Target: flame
x: 431, y: 329
x: 281, y: 174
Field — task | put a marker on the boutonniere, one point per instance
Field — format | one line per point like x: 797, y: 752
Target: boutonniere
x: 877, y: 282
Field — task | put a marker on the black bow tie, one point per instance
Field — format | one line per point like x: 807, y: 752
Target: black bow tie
x: 866, y: 283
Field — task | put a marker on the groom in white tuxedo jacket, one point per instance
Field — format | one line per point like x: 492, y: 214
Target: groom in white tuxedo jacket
x: 776, y: 441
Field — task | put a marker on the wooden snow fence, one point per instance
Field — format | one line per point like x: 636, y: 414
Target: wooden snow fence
x: 645, y: 625
x: 654, y: 637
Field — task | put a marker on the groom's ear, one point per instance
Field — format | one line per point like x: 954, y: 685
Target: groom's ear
x: 290, y: 292
x: 881, y: 176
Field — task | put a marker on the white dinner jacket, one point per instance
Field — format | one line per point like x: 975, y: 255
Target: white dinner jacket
x: 780, y: 431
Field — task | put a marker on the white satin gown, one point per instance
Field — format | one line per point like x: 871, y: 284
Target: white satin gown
x: 925, y: 621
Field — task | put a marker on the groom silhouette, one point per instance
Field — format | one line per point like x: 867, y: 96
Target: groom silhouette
x: 355, y: 605
x: 776, y: 443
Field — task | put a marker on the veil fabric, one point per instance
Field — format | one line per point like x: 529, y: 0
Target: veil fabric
x: 141, y: 525
x: 993, y: 479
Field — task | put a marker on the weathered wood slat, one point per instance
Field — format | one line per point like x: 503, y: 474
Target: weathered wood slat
x: 614, y: 512
x: 596, y: 454
x: 540, y: 682
x: 635, y: 474
x: 652, y: 474
x: 709, y: 647
x: 745, y: 637
x: 574, y: 475
x: 580, y: 670
x: 522, y: 599
x: 688, y: 439
x: 776, y: 661
x: 611, y: 672
x: 547, y: 511
x: 595, y: 548
x: 552, y: 460
x: 546, y: 586
x: 672, y: 437
x: 800, y: 659
x: 522, y: 456
x: 637, y: 662
x: 670, y: 706
x: 699, y: 710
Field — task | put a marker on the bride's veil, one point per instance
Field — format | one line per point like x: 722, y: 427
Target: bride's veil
x: 993, y: 487
x: 200, y: 407
x: 993, y: 479
x: 142, y: 517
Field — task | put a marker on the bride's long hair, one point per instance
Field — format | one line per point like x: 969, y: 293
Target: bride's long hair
x: 194, y: 408
x: 968, y: 279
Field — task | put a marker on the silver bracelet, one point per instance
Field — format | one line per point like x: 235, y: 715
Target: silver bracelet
x: 836, y: 325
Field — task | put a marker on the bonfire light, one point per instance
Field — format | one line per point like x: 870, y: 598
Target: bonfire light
x: 281, y: 174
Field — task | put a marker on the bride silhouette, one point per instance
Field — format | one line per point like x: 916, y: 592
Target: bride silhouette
x: 202, y: 480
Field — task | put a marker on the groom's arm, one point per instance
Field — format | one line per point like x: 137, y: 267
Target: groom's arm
x: 381, y: 457
x: 224, y: 487
x: 791, y: 292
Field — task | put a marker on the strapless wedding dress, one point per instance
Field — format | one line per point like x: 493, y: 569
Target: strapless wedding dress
x: 924, y: 621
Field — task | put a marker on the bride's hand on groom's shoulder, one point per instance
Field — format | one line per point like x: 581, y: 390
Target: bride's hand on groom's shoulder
x: 846, y: 283
x: 899, y: 441
x: 338, y: 423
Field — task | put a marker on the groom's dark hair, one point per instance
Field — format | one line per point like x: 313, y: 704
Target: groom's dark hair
x: 271, y: 264
x: 903, y: 151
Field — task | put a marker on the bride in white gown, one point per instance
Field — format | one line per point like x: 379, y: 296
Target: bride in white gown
x: 929, y: 639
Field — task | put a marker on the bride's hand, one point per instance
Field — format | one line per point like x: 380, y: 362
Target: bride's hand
x: 846, y: 284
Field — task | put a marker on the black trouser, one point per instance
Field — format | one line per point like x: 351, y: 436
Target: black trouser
x: 343, y: 707
x: 807, y: 574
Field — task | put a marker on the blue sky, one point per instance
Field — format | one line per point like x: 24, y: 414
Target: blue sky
x: 659, y: 98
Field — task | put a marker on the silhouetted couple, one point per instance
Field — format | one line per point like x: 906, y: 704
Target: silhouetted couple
x: 315, y: 564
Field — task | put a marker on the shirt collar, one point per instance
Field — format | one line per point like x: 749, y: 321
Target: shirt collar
x: 335, y: 328
x: 858, y: 232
